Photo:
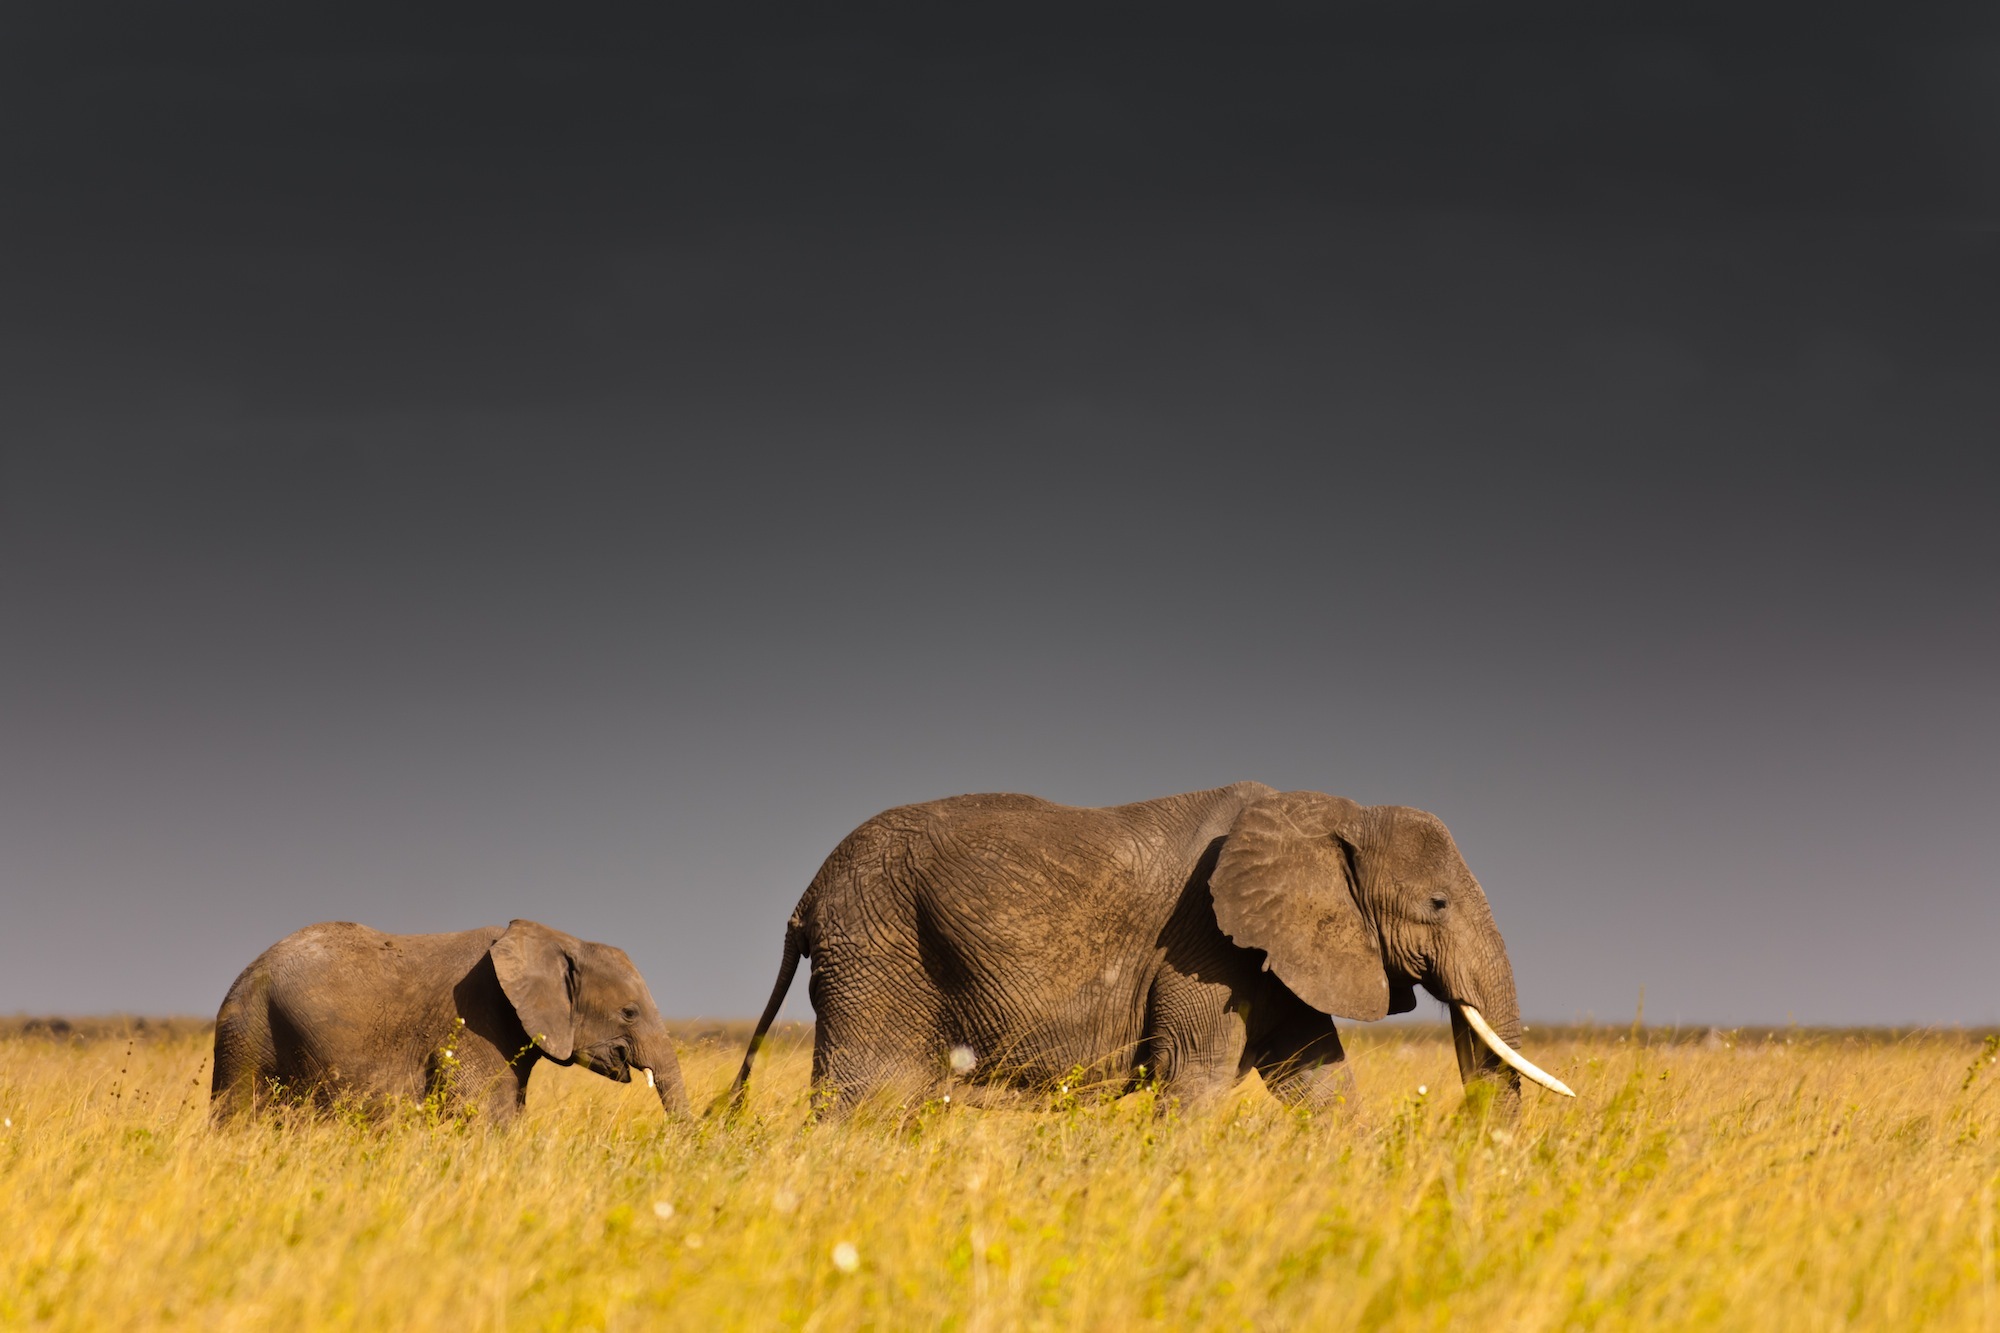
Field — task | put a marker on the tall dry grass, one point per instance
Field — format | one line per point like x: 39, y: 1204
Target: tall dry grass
x: 1779, y: 1181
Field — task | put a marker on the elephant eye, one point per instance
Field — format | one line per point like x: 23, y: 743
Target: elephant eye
x: 1438, y: 902
x: 630, y: 1012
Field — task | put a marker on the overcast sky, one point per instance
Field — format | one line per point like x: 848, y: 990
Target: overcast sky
x: 505, y: 469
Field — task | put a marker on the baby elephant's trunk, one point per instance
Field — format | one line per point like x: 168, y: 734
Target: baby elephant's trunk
x: 654, y: 1061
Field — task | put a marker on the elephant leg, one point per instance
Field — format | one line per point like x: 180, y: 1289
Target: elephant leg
x: 1304, y: 1064
x: 488, y: 1081
x: 241, y: 1074
x: 239, y: 1087
x: 845, y: 1075
x: 878, y: 1031
x: 1197, y: 1042
x: 1200, y: 1073
x: 857, y: 1057
x: 245, y: 1054
x: 997, y: 1097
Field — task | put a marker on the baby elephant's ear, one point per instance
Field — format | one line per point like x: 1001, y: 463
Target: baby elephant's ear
x: 535, y: 970
x: 1284, y: 884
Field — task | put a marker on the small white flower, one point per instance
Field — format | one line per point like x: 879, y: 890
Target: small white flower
x: 663, y: 1210
x: 785, y: 1201
x: 448, y: 1052
x: 9, y: 1123
x: 947, y: 1099
x: 694, y: 1242
x: 1423, y: 1090
x: 962, y: 1060
x: 846, y: 1258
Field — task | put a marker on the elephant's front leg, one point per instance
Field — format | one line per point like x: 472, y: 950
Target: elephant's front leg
x: 1197, y: 1042
x: 471, y: 1073
x: 1303, y: 1063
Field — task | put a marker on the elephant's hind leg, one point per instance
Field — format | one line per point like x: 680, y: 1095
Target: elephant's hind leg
x: 878, y: 1053
x: 877, y: 1032
x: 845, y: 1075
x: 245, y: 1058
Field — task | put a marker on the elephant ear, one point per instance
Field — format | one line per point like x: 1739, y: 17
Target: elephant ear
x: 1284, y: 883
x: 536, y: 971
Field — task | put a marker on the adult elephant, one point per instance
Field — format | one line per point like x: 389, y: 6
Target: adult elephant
x: 1193, y: 938
x: 338, y: 1010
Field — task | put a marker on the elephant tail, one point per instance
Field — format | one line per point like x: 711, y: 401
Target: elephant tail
x: 795, y: 947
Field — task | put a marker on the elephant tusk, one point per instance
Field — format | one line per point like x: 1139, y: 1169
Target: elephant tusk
x: 1478, y: 1024
x: 649, y: 1076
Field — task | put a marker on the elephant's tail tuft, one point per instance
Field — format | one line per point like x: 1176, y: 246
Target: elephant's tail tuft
x: 732, y: 1101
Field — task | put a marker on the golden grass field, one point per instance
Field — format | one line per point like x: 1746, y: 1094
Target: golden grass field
x: 1774, y: 1180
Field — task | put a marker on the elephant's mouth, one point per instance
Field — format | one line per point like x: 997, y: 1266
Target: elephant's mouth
x: 613, y: 1062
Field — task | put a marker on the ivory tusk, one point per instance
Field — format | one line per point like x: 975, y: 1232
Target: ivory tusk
x: 1478, y: 1024
x: 649, y: 1076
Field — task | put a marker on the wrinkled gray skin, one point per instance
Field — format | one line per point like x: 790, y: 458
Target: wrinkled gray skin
x: 341, y: 1011
x: 1042, y: 937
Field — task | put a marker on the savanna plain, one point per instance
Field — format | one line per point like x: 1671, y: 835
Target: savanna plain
x: 1770, y: 1179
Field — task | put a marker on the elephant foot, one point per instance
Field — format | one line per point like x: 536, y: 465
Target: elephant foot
x: 1324, y: 1087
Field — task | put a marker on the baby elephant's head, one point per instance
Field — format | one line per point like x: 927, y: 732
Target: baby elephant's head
x: 585, y: 1003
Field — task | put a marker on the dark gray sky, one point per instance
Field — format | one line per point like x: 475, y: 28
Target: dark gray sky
x: 514, y: 466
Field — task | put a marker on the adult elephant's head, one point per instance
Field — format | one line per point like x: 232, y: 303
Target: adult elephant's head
x: 1355, y: 906
x: 586, y: 1004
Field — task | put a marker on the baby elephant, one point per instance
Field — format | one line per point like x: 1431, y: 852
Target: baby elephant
x: 339, y: 1009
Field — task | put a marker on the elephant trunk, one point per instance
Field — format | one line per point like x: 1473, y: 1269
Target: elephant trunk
x: 1486, y: 1033
x: 1477, y: 1061
x: 1487, y: 986
x: 654, y: 1058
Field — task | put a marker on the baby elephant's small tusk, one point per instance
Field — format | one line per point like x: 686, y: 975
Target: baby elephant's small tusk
x: 649, y: 1076
x: 1478, y: 1024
